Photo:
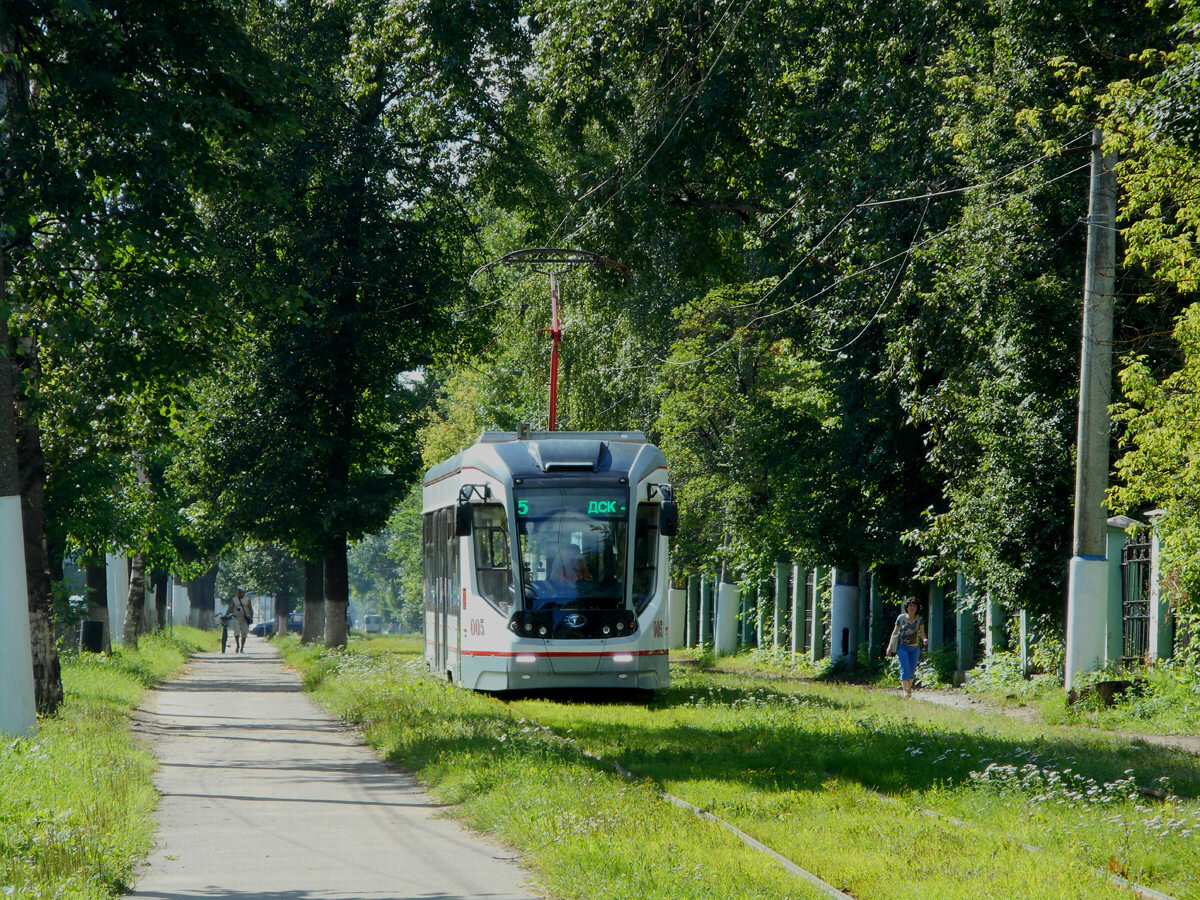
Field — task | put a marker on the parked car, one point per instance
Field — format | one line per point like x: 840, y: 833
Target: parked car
x: 295, y: 624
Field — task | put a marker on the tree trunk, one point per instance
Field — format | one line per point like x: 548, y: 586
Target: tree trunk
x: 161, y: 580
x: 97, y: 598
x: 17, y: 710
x: 135, y: 603
x: 283, y: 607
x: 47, y: 675
x: 202, y: 595
x: 337, y: 595
x: 314, y: 602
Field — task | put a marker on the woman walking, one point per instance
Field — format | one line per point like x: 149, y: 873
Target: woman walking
x: 910, y: 636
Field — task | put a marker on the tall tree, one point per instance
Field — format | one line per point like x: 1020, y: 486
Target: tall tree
x: 316, y: 443
x: 129, y: 113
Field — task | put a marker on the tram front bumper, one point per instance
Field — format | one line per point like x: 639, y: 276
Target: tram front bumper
x: 538, y: 671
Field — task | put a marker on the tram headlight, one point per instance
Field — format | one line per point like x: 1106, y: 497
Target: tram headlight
x: 542, y: 631
x: 526, y: 658
x: 620, y: 626
x: 529, y: 626
x: 622, y: 657
x: 606, y: 630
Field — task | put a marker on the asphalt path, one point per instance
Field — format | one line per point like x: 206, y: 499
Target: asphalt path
x: 265, y: 796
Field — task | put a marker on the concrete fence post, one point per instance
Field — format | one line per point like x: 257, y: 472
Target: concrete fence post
x: 1161, y: 643
x: 693, y: 610
x: 706, y: 611
x: 118, y: 594
x: 816, y: 640
x: 779, y: 619
x: 843, y: 617
x: 728, y: 597
x: 964, y: 631
x: 995, y: 640
x: 677, y: 621
x: 1023, y: 627
x: 935, y: 628
x: 762, y: 598
x: 799, y: 596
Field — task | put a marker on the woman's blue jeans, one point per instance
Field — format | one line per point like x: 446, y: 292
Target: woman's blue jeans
x: 908, y: 657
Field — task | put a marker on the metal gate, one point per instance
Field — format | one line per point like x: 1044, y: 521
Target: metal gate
x: 1135, y: 597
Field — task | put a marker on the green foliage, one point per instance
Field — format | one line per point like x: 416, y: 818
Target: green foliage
x: 853, y: 324
x: 305, y: 435
x: 124, y: 121
x: 1154, y: 126
x: 261, y: 568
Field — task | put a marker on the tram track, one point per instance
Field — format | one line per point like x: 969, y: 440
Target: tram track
x: 1141, y: 890
x: 829, y: 890
x: 825, y: 887
x: 1146, y: 893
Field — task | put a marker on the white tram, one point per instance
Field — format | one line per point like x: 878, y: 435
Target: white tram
x: 582, y: 603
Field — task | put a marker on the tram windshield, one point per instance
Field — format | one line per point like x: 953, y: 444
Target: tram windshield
x: 573, y: 547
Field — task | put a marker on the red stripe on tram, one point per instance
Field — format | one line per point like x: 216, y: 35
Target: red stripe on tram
x: 543, y: 653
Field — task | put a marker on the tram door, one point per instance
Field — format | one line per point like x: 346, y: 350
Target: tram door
x: 439, y: 604
x: 434, y: 529
x: 441, y: 579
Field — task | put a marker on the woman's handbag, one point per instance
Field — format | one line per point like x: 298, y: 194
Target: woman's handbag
x: 893, y: 643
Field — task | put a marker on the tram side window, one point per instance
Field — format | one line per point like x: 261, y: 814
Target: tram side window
x: 645, y: 555
x: 493, y: 559
x: 428, y: 557
x: 450, y: 560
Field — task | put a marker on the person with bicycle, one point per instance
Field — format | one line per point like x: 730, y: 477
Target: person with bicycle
x: 237, y: 618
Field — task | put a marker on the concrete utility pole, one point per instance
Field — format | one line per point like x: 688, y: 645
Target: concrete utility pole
x: 1087, y: 591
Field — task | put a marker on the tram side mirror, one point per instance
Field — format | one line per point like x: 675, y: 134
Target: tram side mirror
x: 668, y: 518
x: 462, y: 520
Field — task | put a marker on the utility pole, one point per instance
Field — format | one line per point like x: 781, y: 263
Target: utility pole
x: 1087, y: 590
x: 554, y: 262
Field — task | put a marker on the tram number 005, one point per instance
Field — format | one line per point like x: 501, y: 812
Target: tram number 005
x: 476, y: 628
x: 657, y: 628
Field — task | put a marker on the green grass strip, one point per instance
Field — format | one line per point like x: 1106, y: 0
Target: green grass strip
x: 583, y: 830
x: 76, y: 800
x: 800, y: 767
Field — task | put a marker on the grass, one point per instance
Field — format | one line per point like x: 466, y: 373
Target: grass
x: 76, y: 799
x: 799, y: 765
x: 586, y: 831
x: 837, y: 777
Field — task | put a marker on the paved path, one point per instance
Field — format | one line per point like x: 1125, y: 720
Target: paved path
x: 265, y: 796
x: 958, y: 699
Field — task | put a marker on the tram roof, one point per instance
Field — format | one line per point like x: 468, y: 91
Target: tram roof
x: 507, y: 453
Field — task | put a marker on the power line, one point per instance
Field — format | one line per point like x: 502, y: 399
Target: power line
x: 696, y: 94
x: 975, y: 187
x: 888, y: 295
x: 847, y: 277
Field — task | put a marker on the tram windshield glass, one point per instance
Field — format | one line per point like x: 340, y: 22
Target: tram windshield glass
x: 573, y: 547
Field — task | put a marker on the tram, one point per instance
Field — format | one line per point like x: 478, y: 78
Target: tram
x: 546, y: 562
